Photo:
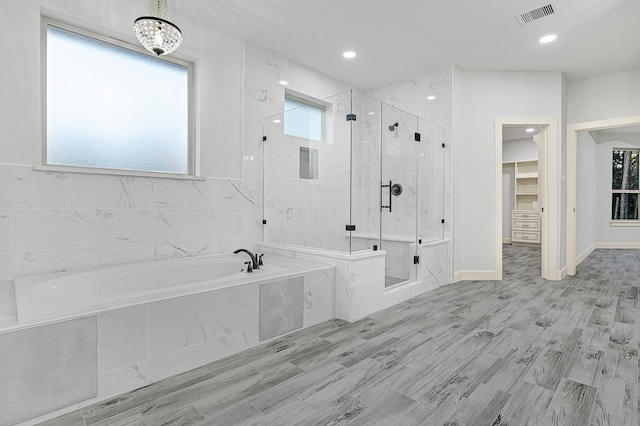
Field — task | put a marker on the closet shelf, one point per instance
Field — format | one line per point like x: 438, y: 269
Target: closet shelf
x: 525, y: 219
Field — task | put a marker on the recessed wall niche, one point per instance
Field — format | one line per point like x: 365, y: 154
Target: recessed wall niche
x: 308, y: 163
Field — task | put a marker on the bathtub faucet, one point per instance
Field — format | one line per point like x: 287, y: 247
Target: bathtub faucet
x: 256, y: 261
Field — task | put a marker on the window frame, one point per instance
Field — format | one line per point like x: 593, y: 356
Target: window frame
x: 324, y: 107
x: 623, y: 222
x: 46, y: 21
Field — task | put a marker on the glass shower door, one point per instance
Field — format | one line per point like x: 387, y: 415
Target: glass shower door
x: 307, y: 174
x: 398, y: 195
x: 430, y: 181
x: 365, y: 171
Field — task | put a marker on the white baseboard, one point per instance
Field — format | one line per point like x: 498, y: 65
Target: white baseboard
x: 476, y: 276
x: 621, y: 246
x: 582, y: 256
x: 617, y: 245
x: 506, y: 241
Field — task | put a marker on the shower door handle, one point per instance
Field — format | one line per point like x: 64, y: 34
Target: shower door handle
x: 386, y: 186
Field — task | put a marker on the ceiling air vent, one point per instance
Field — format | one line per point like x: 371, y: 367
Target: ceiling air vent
x: 535, y: 14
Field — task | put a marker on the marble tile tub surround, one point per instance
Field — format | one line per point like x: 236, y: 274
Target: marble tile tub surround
x: 360, y: 288
x: 51, y: 221
x: 141, y: 344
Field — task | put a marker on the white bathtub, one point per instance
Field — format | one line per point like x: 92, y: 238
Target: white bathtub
x: 59, y: 295
x: 96, y: 334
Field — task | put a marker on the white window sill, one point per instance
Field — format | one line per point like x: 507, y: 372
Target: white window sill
x: 98, y: 171
x: 623, y: 223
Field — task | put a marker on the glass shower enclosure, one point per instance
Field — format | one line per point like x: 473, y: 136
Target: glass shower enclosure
x: 350, y: 173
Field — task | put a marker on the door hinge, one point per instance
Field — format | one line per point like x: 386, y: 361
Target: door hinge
x: 264, y: 221
x: 264, y: 139
x: 351, y: 117
x: 443, y: 145
x: 442, y: 220
x: 416, y: 260
x: 351, y: 227
x: 416, y: 137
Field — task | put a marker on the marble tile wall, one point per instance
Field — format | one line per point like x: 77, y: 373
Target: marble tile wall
x: 411, y: 95
x: 53, y: 221
x: 65, y: 221
x: 309, y: 212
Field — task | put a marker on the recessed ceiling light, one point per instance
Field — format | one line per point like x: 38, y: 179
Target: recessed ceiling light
x: 276, y: 121
x: 283, y: 82
x: 530, y: 130
x: 372, y: 113
x: 349, y: 54
x: 431, y: 97
x: 548, y: 38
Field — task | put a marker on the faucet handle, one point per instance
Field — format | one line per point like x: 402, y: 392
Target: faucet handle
x: 260, y: 260
x: 249, y: 267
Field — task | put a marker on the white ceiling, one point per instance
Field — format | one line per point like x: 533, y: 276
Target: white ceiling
x: 402, y: 38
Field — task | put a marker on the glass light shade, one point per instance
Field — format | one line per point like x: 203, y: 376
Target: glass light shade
x: 155, y: 32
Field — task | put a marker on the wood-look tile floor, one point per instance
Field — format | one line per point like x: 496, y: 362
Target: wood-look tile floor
x: 521, y: 351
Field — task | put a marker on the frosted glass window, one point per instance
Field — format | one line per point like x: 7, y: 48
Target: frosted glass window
x: 113, y: 107
x: 302, y: 119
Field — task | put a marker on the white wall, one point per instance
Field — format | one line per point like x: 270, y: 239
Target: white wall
x: 605, y: 233
x: 478, y: 98
x: 599, y: 98
x: 587, y: 197
x: 608, y: 96
x: 593, y: 191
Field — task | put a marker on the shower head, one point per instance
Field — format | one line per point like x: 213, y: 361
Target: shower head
x: 393, y: 126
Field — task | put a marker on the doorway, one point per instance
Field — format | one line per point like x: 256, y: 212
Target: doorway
x: 546, y: 196
x: 572, y: 139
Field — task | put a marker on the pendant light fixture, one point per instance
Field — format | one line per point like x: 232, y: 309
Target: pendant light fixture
x: 156, y: 33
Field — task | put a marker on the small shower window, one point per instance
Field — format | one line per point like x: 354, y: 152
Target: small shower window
x: 303, y: 117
